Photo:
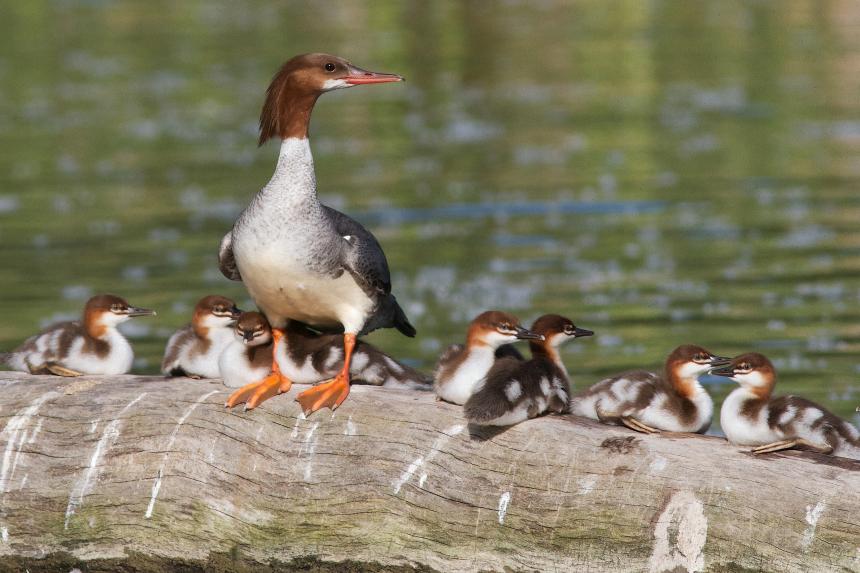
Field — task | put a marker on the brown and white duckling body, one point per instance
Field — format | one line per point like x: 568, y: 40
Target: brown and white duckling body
x: 462, y: 367
x: 647, y: 402
x: 516, y: 390
x: 193, y: 350
x: 92, y: 345
x: 248, y: 356
x: 308, y: 357
x: 752, y: 416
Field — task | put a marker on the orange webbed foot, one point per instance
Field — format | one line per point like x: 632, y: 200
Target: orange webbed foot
x: 256, y: 393
x: 329, y: 394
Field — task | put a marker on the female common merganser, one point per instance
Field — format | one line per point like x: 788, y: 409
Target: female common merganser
x: 299, y: 259
x: 516, y: 390
x: 193, y: 350
x: 461, y: 368
x: 248, y: 356
x: 306, y: 357
x: 91, y: 346
x: 751, y: 416
x: 647, y: 402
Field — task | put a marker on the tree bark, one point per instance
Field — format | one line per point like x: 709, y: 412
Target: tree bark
x: 146, y: 473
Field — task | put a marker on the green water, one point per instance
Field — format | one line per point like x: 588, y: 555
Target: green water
x: 661, y: 172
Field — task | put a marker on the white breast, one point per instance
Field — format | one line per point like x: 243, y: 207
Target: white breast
x: 206, y: 364
x: 741, y: 430
x: 460, y: 384
x: 118, y: 360
x: 235, y: 368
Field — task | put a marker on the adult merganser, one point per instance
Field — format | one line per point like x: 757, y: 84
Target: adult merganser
x: 647, y: 402
x: 752, y: 416
x: 248, y: 356
x: 461, y: 368
x: 193, y: 350
x: 516, y: 390
x: 299, y: 259
x: 90, y: 346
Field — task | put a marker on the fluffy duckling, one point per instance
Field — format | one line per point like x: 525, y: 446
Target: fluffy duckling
x: 92, y: 345
x: 752, y: 416
x: 647, y: 402
x: 516, y: 390
x: 248, y: 357
x: 193, y: 350
x: 462, y: 367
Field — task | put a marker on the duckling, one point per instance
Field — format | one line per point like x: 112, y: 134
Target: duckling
x: 90, y: 346
x: 248, y: 357
x: 647, y: 402
x: 193, y: 350
x: 752, y: 416
x: 308, y: 357
x: 516, y: 390
x: 461, y: 368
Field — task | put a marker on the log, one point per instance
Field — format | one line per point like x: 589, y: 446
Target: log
x: 138, y: 473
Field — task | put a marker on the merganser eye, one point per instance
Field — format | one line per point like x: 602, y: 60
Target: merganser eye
x: 329, y: 67
x: 116, y: 307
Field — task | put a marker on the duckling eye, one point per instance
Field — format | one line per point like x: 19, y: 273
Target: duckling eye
x: 329, y: 67
x: 219, y: 309
x: 744, y: 366
x: 505, y: 326
x: 116, y: 307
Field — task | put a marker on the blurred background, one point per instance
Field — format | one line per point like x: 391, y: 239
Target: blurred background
x: 660, y: 171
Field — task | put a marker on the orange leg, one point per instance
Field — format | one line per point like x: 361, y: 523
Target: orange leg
x: 333, y: 392
x: 255, y: 393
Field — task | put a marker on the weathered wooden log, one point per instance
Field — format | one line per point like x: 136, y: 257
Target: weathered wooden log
x: 143, y: 473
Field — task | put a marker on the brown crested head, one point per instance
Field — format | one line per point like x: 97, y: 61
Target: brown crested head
x: 296, y: 86
x: 689, y: 361
x: 253, y: 329
x: 216, y: 305
x: 106, y: 310
x: 557, y: 329
x: 753, y: 371
x: 494, y: 328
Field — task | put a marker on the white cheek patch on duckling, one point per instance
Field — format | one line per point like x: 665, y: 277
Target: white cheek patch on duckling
x: 752, y: 379
x: 692, y: 370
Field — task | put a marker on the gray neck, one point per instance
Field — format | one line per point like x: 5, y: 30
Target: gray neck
x: 294, y: 180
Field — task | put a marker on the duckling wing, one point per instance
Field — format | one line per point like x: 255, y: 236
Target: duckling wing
x: 226, y: 262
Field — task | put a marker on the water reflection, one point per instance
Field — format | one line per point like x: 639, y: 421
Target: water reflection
x: 660, y: 171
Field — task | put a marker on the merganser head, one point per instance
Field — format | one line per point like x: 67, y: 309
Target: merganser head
x: 106, y: 311
x: 752, y: 371
x: 494, y: 328
x: 214, y: 311
x: 294, y: 90
x: 557, y: 329
x: 691, y: 361
x: 253, y: 329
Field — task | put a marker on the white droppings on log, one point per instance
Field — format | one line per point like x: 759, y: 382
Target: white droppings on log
x: 680, y: 534
x: 422, y: 480
x: 295, y: 431
x: 658, y: 464
x: 23, y: 481
x: 35, y: 433
x: 156, y: 487
x: 813, y: 514
x: 447, y: 434
x: 504, y: 500
x: 4, y: 534
x: 259, y: 433
x: 93, y: 425
x: 350, y: 427
x: 16, y: 429
x: 587, y: 484
x: 308, y: 448
x: 81, y: 488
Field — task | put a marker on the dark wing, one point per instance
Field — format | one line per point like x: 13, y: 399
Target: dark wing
x: 226, y: 262
x: 364, y: 257
x: 365, y: 261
